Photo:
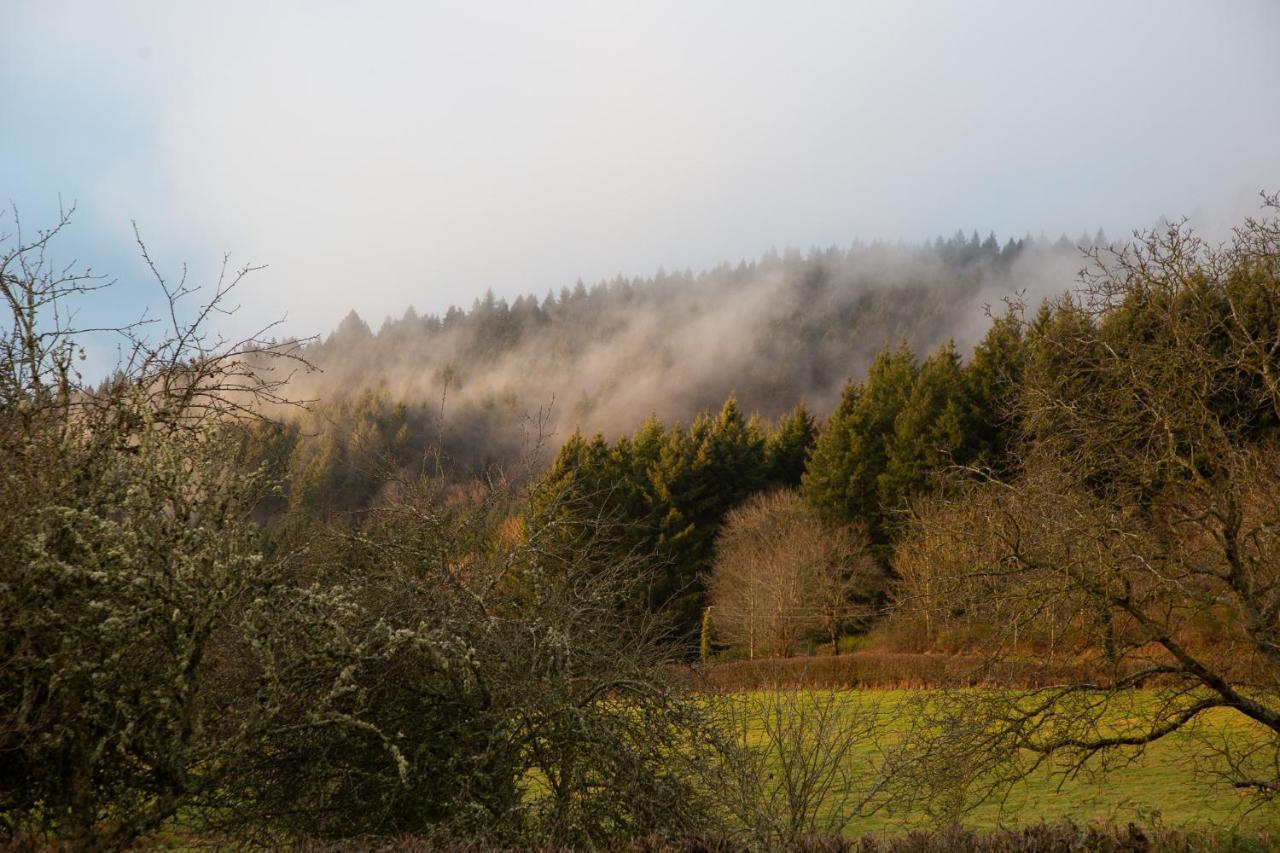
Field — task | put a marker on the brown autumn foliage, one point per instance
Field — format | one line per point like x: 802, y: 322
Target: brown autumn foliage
x: 781, y: 576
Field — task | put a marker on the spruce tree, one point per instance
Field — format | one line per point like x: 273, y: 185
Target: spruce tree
x: 722, y: 464
x: 933, y: 430
x: 841, y: 482
x: 788, y: 447
x: 994, y: 375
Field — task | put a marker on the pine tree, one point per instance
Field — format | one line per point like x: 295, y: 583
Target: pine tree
x: 788, y: 447
x: 828, y: 474
x: 994, y: 375
x: 722, y: 464
x: 852, y: 451
x: 933, y: 430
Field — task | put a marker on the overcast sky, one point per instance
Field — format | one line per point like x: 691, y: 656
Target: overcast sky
x: 378, y: 155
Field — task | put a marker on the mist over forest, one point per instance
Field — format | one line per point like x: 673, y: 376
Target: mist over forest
x: 790, y: 326
x: 409, y: 439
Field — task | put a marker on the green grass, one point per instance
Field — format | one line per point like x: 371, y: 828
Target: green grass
x: 1160, y: 787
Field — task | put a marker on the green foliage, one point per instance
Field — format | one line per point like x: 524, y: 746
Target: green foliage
x: 788, y: 447
x: 898, y: 432
x: 852, y: 452
x: 341, y: 454
x: 933, y: 430
x: 995, y: 375
x: 706, y: 637
x: 891, y: 438
x: 669, y: 489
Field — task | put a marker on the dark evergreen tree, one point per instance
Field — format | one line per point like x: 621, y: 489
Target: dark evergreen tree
x: 852, y: 450
x: 933, y: 430
x: 787, y: 449
x: 994, y: 376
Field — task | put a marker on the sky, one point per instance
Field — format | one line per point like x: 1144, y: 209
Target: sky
x: 380, y: 155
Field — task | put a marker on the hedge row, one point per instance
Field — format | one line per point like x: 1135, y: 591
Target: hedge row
x: 885, y: 670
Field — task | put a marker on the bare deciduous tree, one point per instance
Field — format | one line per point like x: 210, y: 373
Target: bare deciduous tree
x: 808, y: 763
x: 781, y: 575
x: 1142, y: 534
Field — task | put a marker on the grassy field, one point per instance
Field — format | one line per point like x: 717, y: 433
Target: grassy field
x: 1158, y: 788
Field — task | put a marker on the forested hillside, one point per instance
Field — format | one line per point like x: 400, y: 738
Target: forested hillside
x: 620, y: 391
x: 485, y: 385
x: 324, y: 625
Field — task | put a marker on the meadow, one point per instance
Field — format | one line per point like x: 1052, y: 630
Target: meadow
x: 1161, y: 787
